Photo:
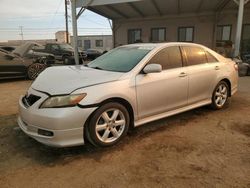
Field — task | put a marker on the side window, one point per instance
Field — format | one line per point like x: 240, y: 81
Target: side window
x: 169, y: 58
x: 54, y: 47
x: 210, y: 58
x: 195, y: 55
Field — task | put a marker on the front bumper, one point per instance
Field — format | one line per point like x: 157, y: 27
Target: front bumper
x: 66, y: 124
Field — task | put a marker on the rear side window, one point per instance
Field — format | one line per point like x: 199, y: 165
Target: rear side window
x: 195, y: 55
x: 168, y: 58
x: 210, y: 58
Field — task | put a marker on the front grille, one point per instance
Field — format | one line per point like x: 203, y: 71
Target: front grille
x: 30, y: 100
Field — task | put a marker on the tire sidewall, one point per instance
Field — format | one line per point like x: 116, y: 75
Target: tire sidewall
x: 91, y: 132
x: 214, y: 105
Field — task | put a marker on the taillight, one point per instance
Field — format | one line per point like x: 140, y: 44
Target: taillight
x: 236, y: 67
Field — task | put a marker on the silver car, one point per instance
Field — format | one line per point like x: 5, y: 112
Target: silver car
x: 124, y: 88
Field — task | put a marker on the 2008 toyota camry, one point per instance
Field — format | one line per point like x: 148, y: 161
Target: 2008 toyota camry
x: 126, y: 87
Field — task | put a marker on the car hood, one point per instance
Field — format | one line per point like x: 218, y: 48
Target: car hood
x: 66, y: 79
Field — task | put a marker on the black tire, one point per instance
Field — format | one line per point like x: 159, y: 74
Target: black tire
x: 66, y: 60
x: 34, y: 70
x: 219, y: 97
x: 97, y: 138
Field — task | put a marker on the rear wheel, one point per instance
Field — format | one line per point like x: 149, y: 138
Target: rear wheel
x: 34, y: 70
x: 66, y: 60
x: 108, y: 125
x: 220, y: 95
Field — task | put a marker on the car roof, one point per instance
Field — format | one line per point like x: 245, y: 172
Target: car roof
x: 156, y: 45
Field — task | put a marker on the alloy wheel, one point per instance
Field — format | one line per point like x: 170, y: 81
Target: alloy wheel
x: 221, y: 95
x: 110, y: 125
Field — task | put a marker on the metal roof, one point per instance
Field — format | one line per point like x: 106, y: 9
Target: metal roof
x: 126, y: 9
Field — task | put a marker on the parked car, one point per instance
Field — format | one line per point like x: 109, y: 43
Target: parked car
x: 243, y: 66
x: 23, y: 62
x: 93, y: 54
x: 126, y: 87
x: 8, y: 48
x: 62, y: 52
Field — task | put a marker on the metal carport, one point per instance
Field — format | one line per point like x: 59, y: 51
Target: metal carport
x: 130, y: 9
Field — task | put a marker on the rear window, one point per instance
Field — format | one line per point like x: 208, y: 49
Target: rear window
x: 195, y: 55
x: 210, y: 58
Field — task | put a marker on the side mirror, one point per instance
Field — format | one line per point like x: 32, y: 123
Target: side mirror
x: 152, y: 68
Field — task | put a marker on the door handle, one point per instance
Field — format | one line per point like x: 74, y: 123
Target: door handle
x: 217, y: 68
x: 183, y: 74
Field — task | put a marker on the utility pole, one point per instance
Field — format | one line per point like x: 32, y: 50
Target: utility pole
x: 21, y: 32
x: 66, y: 21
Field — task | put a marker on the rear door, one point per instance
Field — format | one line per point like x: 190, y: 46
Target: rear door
x: 164, y: 91
x: 202, y: 69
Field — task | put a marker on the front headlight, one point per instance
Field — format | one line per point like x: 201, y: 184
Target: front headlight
x: 63, y: 101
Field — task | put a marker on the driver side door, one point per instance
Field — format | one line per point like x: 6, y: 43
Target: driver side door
x: 165, y: 91
x: 11, y: 66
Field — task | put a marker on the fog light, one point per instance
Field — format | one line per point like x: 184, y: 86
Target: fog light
x: 45, y: 133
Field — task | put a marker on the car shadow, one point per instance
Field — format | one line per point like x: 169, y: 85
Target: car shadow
x: 30, y: 149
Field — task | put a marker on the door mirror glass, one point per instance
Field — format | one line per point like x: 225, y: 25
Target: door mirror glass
x: 152, y: 68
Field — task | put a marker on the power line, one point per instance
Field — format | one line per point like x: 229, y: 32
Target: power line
x: 59, y: 5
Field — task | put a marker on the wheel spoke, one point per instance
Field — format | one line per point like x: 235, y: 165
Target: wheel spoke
x: 105, y: 116
x: 119, y: 123
x: 224, y: 96
x: 218, y: 100
x: 224, y: 90
x: 220, y: 88
x: 114, y: 132
x: 105, y: 135
x: 101, y: 127
x: 217, y: 94
x: 115, y: 114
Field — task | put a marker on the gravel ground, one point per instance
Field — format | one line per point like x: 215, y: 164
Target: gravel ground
x: 199, y: 148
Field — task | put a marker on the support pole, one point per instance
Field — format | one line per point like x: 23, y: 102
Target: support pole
x: 66, y: 21
x: 239, y: 28
x: 74, y: 27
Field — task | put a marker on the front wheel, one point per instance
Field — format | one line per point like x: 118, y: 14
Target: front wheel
x: 66, y: 60
x: 108, y: 125
x: 220, y: 95
x: 34, y: 70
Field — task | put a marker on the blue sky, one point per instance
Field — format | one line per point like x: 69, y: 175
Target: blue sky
x: 40, y: 19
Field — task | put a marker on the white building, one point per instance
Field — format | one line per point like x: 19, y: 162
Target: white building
x: 99, y: 42
x: 61, y: 36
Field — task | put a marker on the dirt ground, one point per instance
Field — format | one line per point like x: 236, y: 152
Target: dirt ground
x: 199, y: 148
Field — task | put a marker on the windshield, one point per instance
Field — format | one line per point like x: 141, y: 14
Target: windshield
x: 66, y: 46
x: 122, y: 59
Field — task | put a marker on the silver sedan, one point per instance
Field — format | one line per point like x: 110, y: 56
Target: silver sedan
x: 124, y: 88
